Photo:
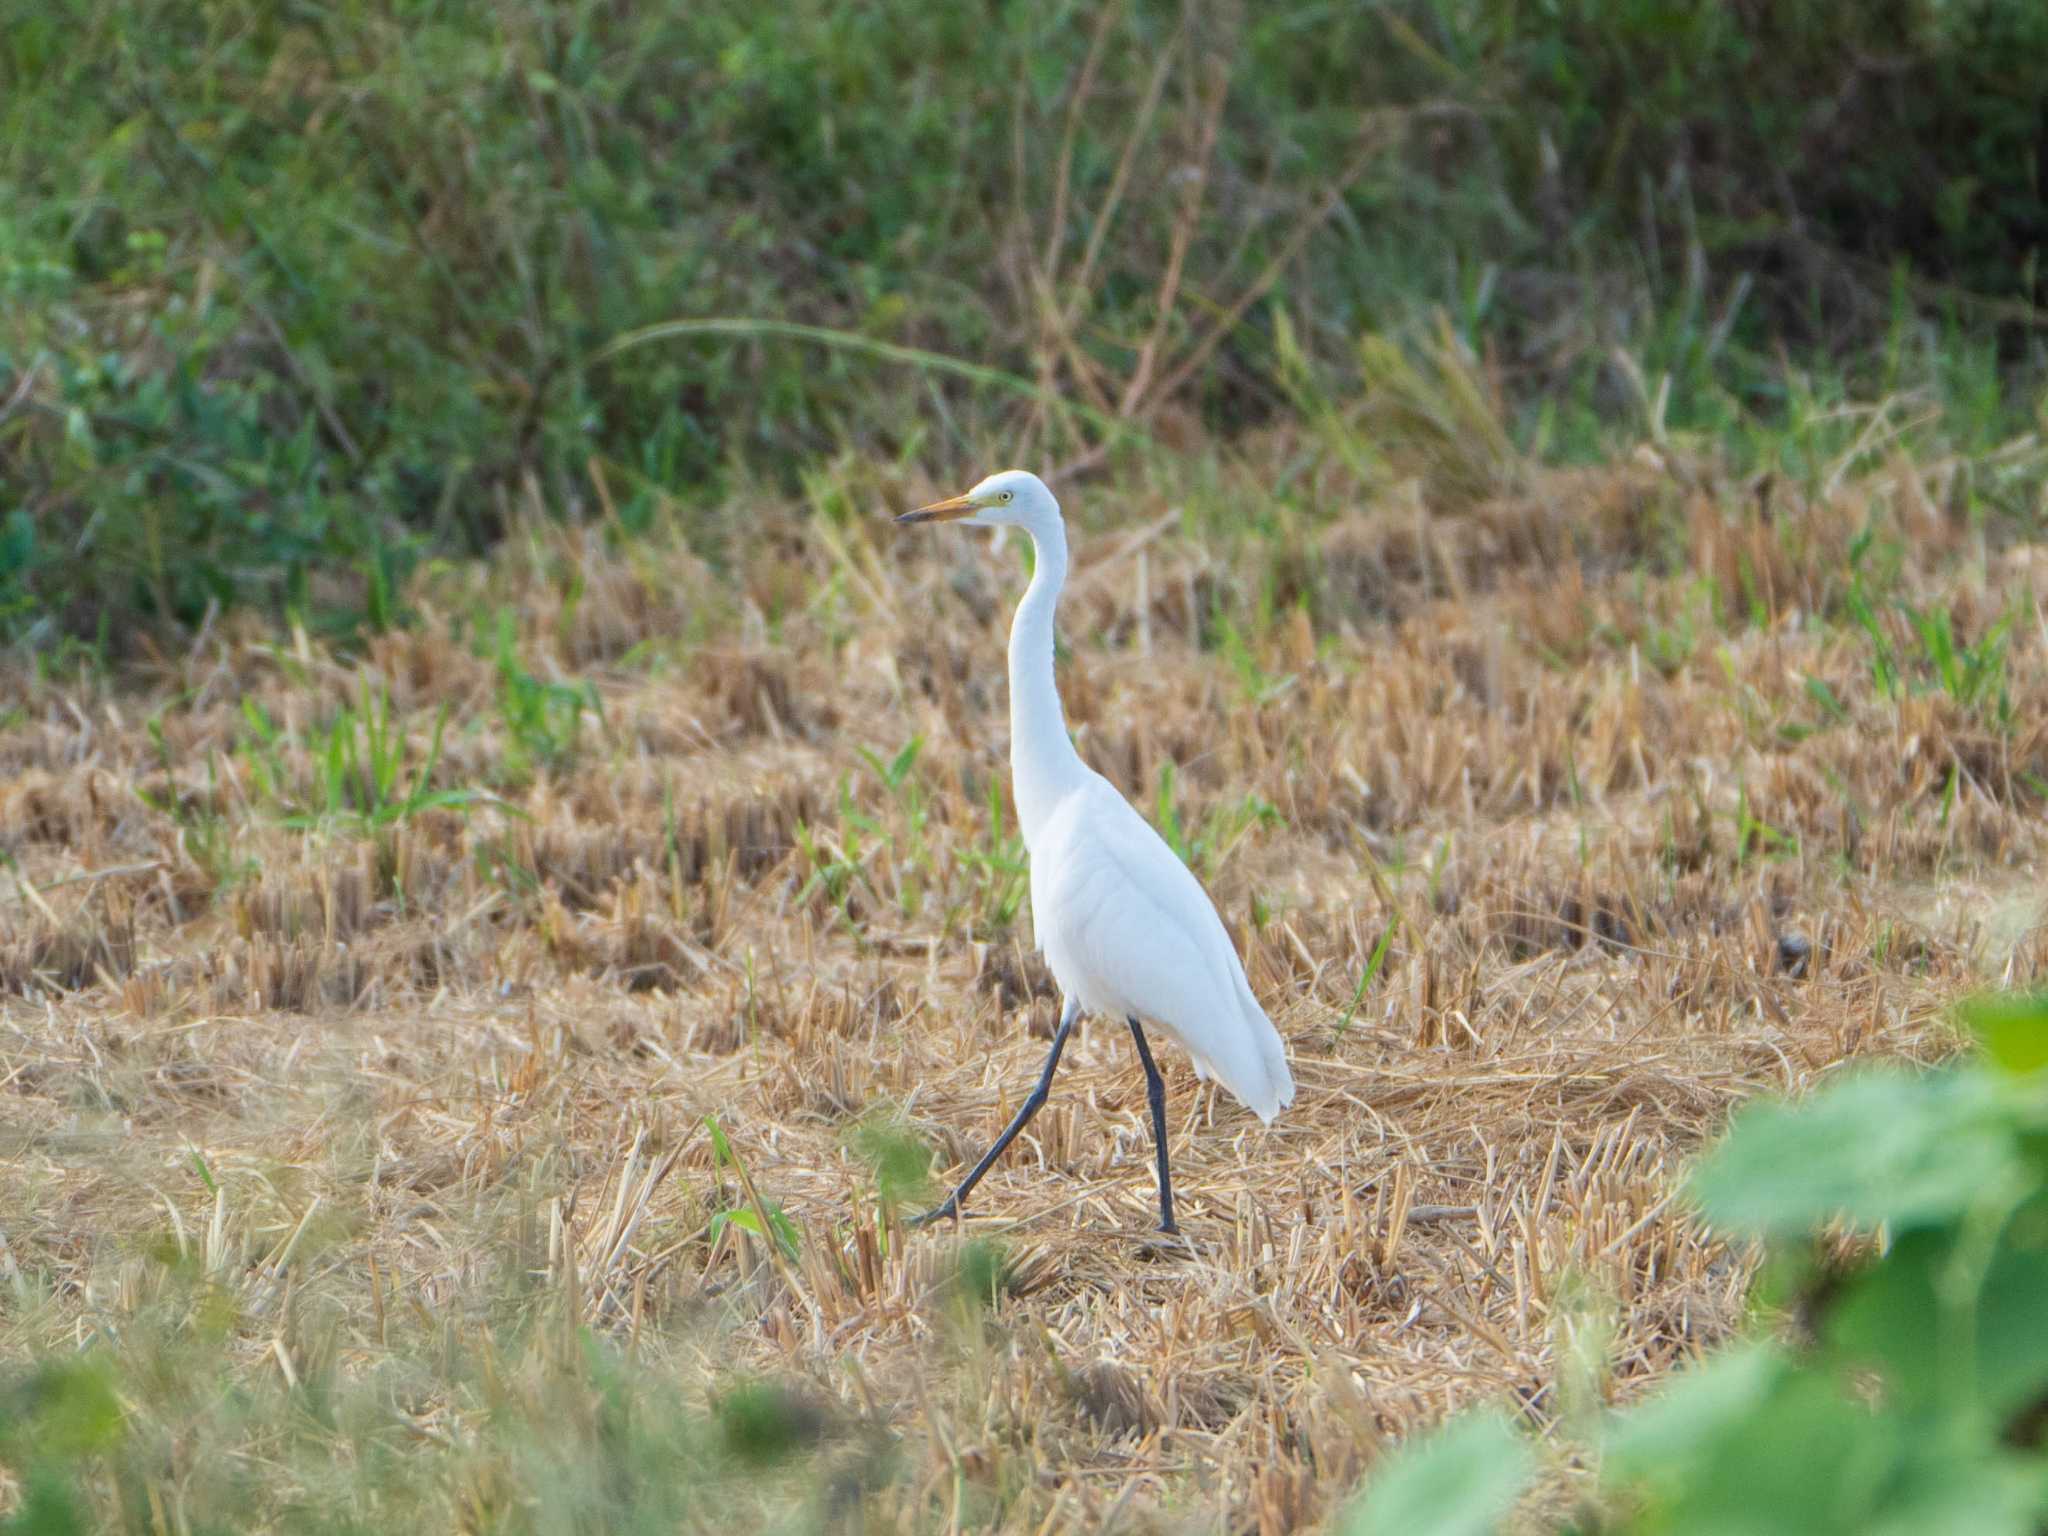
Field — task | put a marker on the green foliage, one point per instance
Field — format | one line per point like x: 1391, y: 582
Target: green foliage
x: 1883, y: 1146
x: 838, y: 864
x: 360, y: 765
x: 778, y: 1225
x: 1918, y: 1403
x: 1166, y: 814
x: 204, y: 831
x: 1458, y: 1484
x: 762, y: 1423
x: 63, y: 1408
x: 289, y: 298
x: 2011, y: 1029
x: 898, y: 778
x: 899, y: 1158
x: 543, y: 721
x: 1917, y: 648
x: 763, y: 1218
x: 1757, y: 1441
x: 1260, y: 687
x: 1723, y: 99
x: 1365, y: 977
x: 295, y: 295
x: 832, y: 872
x: 48, y: 1507
x: 897, y: 831
x: 1000, y: 869
x: 1204, y: 849
x: 982, y: 1273
x: 1755, y: 836
x: 561, y: 1429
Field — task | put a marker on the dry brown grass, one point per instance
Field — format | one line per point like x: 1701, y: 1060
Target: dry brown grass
x: 477, y: 1044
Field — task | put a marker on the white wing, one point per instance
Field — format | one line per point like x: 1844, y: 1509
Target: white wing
x: 1128, y: 929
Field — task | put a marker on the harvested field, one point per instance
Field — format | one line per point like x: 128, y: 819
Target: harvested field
x: 358, y: 1060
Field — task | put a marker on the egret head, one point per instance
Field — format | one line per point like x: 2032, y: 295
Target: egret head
x: 1011, y: 498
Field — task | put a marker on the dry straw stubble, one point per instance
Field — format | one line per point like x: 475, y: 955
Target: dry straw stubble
x: 1625, y: 858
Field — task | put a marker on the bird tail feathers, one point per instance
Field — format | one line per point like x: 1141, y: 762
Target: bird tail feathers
x: 1259, y: 1075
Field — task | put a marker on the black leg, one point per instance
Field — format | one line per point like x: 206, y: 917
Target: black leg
x: 1155, y: 1092
x: 1069, y: 1011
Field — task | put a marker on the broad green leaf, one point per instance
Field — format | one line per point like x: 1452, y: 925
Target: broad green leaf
x: 1990, y: 1495
x: 1459, y: 1481
x: 1947, y: 1333
x: 1701, y: 1405
x: 1753, y: 1444
x: 745, y: 1220
x: 2013, y: 1028
x: 786, y: 1234
x: 1879, y: 1147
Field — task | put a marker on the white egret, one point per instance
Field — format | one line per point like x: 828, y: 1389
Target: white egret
x: 1125, y: 927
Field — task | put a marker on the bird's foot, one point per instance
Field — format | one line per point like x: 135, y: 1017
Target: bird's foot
x: 948, y: 1211
x: 1166, y: 1243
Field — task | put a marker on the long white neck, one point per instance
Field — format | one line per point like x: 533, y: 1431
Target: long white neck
x: 1044, y: 766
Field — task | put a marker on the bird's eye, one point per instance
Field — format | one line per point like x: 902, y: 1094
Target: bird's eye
x: 1009, y: 495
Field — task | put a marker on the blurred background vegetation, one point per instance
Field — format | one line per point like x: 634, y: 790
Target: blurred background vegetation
x: 292, y: 296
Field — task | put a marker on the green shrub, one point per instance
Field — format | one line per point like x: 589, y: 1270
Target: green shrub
x: 289, y: 295
x: 1917, y: 1398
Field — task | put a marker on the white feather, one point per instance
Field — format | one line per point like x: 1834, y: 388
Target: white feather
x: 1128, y: 930
x: 1124, y: 924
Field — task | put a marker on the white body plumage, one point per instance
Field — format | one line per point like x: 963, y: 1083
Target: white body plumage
x: 1128, y: 932
x: 1125, y: 927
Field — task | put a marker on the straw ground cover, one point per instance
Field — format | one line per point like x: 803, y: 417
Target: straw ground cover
x: 473, y: 1080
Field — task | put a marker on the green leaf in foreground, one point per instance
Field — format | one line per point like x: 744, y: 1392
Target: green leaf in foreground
x: 1756, y: 1443
x: 1955, y: 1325
x: 2013, y: 1028
x: 1459, y: 1481
x: 1878, y: 1147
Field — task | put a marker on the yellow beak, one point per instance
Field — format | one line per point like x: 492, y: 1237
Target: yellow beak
x: 942, y: 511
